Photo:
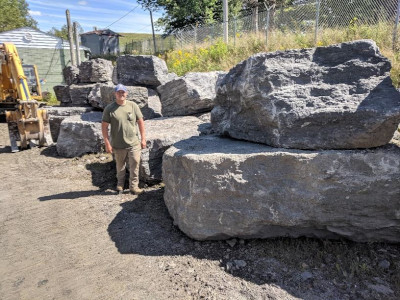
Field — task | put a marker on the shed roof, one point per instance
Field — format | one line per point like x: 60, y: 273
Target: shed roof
x: 102, y: 32
x: 27, y: 37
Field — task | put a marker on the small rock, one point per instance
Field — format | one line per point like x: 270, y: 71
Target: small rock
x: 231, y: 242
x: 304, y: 265
x: 102, y: 158
x: 229, y: 266
x: 384, y: 264
x: 240, y: 263
x: 380, y: 288
x: 306, y: 275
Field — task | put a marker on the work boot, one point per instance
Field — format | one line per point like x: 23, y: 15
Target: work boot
x: 120, y: 189
x: 136, y: 191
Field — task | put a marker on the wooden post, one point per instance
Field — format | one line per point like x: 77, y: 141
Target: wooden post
x: 70, y: 39
x: 78, y: 54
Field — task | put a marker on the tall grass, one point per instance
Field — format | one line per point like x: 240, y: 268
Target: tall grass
x: 220, y: 56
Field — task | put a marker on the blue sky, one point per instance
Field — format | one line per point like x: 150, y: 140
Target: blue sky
x: 90, y: 13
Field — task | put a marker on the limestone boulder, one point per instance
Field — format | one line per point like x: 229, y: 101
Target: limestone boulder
x: 58, y: 114
x: 71, y: 75
x: 161, y: 133
x: 335, y: 97
x: 79, y: 94
x: 62, y: 94
x: 190, y: 94
x: 218, y: 188
x: 80, y: 134
x: 95, y: 70
x: 101, y: 95
x: 142, y: 70
x: 152, y: 109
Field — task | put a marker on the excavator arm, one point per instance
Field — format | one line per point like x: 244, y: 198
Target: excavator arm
x: 26, y: 121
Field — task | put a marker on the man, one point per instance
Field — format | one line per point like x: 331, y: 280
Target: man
x: 123, y: 116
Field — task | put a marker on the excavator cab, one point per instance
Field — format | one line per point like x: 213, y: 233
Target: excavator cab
x: 26, y: 121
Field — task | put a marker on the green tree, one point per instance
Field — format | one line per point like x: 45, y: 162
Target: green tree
x: 181, y: 13
x: 63, y: 32
x: 15, y: 14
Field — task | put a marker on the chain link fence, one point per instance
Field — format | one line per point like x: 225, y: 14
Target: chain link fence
x: 306, y: 17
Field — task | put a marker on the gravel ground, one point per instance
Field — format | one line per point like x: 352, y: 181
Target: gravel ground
x: 65, y: 234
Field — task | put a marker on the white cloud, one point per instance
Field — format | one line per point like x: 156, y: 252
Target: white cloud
x: 82, y: 2
x: 35, y: 13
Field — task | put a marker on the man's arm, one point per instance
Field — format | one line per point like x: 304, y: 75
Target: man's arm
x: 104, y: 131
x: 142, y: 133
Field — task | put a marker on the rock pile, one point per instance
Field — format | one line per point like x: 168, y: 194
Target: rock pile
x: 147, y: 79
x: 333, y: 101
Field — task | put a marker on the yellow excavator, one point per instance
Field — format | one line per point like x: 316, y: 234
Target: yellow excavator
x: 19, y: 95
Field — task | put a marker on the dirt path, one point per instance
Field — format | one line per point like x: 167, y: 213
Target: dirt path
x: 64, y: 234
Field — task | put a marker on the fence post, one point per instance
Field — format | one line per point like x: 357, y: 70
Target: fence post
x: 267, y: 26
x: 195, y: 36
x: 316, y: 22
x: 396, y: 24
x: 234, y: 31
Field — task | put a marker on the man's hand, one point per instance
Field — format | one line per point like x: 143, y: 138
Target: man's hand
x: 109, y: 148
x: 143, y: 144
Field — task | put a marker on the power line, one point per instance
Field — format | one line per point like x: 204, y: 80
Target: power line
x: 123, y: 16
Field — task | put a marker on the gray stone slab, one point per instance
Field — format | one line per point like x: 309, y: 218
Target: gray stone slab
x: 161, y: 133
x: 79, y: 94
x: 193, y: 93
x: 336, y: 97
x: 95, y: 70
x: 62, y: 94
x: 218, y: 188
x: 71, y: 75
x: 80, y: 134
x: 58, y: 114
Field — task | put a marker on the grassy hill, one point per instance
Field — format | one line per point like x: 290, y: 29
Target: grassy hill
x: 129, y: 37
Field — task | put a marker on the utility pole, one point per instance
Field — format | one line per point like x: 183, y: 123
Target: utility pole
x: 70, y: 39
x: 78, y: 54
x: 225, y: 13
x: 152, y: 28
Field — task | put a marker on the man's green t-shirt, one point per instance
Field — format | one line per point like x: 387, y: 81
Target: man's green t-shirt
x: 123, y: 119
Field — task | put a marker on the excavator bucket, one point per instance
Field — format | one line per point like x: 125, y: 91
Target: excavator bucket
x: 27, y: 123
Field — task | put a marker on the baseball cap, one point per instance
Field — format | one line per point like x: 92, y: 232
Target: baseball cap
x: 120, y: 87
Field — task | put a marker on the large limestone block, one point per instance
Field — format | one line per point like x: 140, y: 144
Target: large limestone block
x: 190, y: 94
x: 79, y: 94
x: 96, y: 70
x: 217, y: 188
x: 58, y: 114
x: 161, y: 133
x: 62, y: 94
x: 143, y: 70
x: 101, y: 95
x: 80, y: 134
x: 71, y: 75
x: 336, y: 97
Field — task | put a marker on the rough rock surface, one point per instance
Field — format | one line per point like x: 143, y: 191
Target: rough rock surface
x: 71, y: 75
x: 152, y: 109
x: 79, y: 94
x: 80, y: 134
x: 336, y: 97
x: 96, y: 70
x: 101, y: 95
x: 161, y: 133
x: 216, y: 188
x: 143, y: 70
x: 62, y: 94
x: 190, y: 94
x: 58, y: 114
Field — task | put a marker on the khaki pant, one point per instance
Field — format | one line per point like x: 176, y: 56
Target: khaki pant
x: 132, y: 156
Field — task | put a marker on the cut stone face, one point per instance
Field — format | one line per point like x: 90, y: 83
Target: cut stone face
x: 80, y: 134
x: 58, y: 114
x: 95, y: 70
x: 161, y: 133
x: 62, y: 94
x: 218, y: 188
x: 143, y: 70
x: 79, y: 94
x: 336, y: 97
x: 190, y: 94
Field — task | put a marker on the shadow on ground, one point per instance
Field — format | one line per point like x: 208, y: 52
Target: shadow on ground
x: 304, y: 267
